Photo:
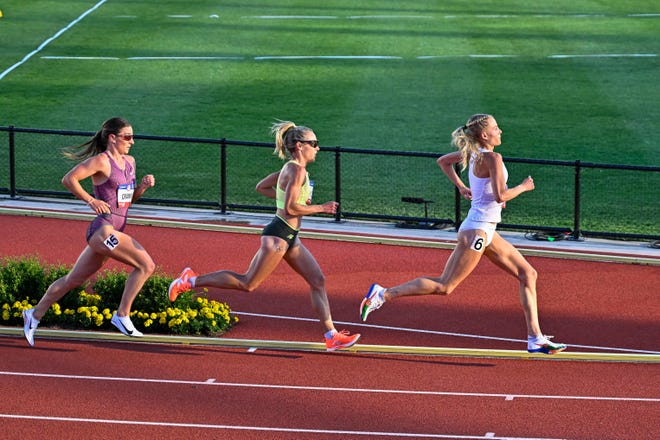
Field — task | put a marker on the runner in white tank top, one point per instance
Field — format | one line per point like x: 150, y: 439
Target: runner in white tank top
x: 476, y: 141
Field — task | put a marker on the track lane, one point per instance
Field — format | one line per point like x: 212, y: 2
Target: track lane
x: 456, y: 398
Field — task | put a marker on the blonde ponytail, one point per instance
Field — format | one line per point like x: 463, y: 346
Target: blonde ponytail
x: 466, y: 138
x: 286, y: 135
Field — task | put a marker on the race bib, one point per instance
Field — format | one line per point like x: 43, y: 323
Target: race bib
x: 125, y: 194
x: 478, y: 243
x: 111, y: 242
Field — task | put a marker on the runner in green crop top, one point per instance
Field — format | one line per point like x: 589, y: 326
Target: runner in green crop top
x: 291, y: 189
x: 305, y: 191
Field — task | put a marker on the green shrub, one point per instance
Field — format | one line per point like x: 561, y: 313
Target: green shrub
x: 23, y: 281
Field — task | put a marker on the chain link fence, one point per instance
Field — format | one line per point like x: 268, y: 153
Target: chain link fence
x: 571, y: 198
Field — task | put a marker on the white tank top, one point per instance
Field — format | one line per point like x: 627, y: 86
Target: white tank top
x: 484, y: 208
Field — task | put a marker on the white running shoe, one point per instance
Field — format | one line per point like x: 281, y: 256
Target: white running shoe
x: 29, y: 326
x: 544, y: 345
x: 125, y: 325
x: 373, y: 301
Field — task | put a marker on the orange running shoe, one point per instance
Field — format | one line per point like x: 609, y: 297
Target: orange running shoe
x: 181, y: 284
x: 341, y: 339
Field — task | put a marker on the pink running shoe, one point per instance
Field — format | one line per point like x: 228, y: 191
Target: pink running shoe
x: 181, y: 284
x: 341, y: 340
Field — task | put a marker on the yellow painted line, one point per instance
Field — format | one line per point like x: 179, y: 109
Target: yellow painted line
x: 253, y: 344
x: 370, y: 239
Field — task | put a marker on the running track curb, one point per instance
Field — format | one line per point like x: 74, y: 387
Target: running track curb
x: 255, y: 344
x: 398, y: 241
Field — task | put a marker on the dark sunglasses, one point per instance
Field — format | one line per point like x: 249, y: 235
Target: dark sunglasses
x: 314, y: 143
x: 126, y: 137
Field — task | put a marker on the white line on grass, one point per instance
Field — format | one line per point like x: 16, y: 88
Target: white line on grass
x: 51, y: 39
x: 294, y: 17
x: 52, y: 57
x: 426, y: 17
x: 185, y: 58
x: 329, y: 57
x: 388, y: 17
x: 607, y: 55
x: 344, y: 57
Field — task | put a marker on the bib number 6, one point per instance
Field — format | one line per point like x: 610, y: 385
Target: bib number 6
x: 478, y: 243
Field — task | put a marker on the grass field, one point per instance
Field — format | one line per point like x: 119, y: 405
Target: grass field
x: 566, y: 80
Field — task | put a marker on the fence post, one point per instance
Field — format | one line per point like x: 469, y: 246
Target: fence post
x: 338, y: 183
x: 223, y: 175
x: 12, y: 163
x: 576, y: 202
x: 457, y: 201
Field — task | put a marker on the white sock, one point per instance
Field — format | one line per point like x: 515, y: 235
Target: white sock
x: 330, y: 333
x: 192, y: 281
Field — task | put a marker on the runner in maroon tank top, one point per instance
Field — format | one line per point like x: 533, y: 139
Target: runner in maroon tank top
x: 105, y: 159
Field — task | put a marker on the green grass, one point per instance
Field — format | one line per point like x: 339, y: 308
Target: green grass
x: 595, y: 109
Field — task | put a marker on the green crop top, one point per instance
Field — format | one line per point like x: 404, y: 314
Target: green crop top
x: 305, y: 191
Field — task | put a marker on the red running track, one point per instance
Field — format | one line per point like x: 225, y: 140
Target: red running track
x: 68, y: 389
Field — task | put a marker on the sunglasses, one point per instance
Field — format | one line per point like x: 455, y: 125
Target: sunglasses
x: 126, y: 137
x: 314, y: 143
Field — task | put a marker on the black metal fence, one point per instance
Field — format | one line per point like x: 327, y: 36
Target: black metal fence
x: 572, y: 198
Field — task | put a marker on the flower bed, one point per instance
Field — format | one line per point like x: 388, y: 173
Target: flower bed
x: 24, y: 280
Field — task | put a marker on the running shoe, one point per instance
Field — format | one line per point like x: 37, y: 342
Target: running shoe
x: 372, y: 301
x: 545, y: 346
x: 125, y: 325
x: 341, y: 340
x: 29, y: 326
x: 181, y: 284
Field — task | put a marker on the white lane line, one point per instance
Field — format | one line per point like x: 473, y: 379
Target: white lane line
x: 51, y: 39
x: 330, y: 389
x: 259, y: 428
x: 441, y: 333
